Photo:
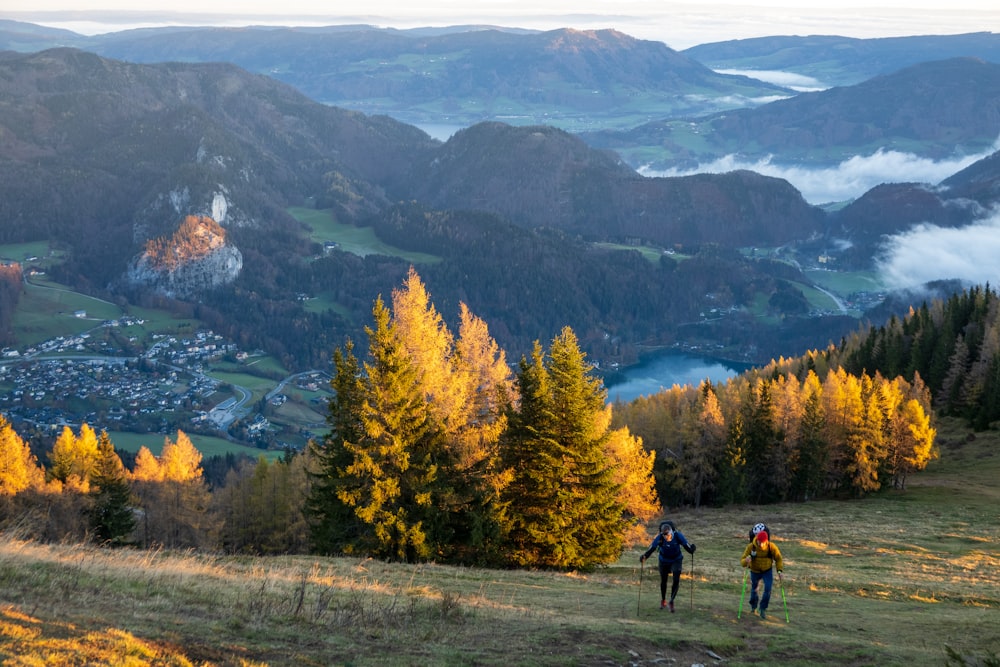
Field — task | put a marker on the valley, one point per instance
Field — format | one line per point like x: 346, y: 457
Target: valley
x: 149, y: 373
x: 532, y: 227
x: 143, y: 374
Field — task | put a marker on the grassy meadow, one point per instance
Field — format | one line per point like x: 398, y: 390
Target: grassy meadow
x: 206, y: 444
x: 360, y: 241
x: 902, y: 578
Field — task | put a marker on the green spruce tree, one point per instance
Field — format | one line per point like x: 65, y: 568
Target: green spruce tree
x: 333, y: 526
x: 380, y: 461
x: 111, y: 517
x: 564, y: 507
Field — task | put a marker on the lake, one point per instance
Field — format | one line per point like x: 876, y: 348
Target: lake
x: 665, y: 369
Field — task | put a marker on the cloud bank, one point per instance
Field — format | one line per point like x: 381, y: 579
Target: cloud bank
x: 848, y: 180
x: 797, y: 82
x: 927, y: 252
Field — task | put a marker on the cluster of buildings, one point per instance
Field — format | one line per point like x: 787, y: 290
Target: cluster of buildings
x: 83, y: 378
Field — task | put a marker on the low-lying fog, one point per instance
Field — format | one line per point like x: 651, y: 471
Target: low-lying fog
x: 922, y: 254
x: 848, y: 180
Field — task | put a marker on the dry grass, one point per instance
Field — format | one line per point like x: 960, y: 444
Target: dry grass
x: 890, y: 580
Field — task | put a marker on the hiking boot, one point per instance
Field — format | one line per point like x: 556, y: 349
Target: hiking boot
x: 663, y: 604
x: 763, y: 614
x: 671, y: 606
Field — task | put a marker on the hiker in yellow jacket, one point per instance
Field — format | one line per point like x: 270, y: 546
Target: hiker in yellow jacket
x: 762, y: 557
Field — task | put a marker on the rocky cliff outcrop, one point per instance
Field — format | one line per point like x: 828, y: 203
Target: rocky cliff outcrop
x: 195, y: 259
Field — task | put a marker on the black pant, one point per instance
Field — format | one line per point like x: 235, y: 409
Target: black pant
x: 666, y: 569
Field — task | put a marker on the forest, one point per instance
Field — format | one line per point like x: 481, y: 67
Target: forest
x: 439, y: 450
x: 11, y: 278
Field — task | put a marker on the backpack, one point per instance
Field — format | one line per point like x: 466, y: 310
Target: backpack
x: 758, y: 527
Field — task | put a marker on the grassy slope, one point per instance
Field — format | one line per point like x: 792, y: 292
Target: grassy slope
x: 889, y: 580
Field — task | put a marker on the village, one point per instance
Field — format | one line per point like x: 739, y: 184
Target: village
x: 85, y: 378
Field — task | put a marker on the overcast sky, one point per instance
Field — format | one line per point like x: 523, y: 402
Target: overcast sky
x: 678, y: 24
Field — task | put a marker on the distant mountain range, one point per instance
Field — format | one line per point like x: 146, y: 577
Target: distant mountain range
x: 533, y: 227
x: 933, y: 109
x: 566, y: 78
x: 101, y: 156
x: 655, y: 106
x: 842, y: 61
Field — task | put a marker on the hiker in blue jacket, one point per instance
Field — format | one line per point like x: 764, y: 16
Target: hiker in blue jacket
x: 669, y: 542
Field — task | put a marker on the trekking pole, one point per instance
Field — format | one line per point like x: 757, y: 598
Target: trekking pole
x: 781, y: 585
x: 692, y: 581
x: 746, y: 573
x: 642, y: 564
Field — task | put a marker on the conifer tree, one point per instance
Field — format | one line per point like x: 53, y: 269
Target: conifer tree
x: 147, y: 467
x: 261, y: 507
x: 464, y: 384
x: 916, y: 437
x: 951, y: 394
x: 534, y: 521
x: 112, y: 518
x: 173, y: 495
x: 632, y: 468
x: 431, y: 349
x: 765, y: 481
x: 62, y: 455
x: 706, y: 434
x: 733, y: 476
x: 866, y: 442
x: 810, y: 471
x: 844, y: 410
x: 180, y: 460
x: 333, y: 525
x: 564, y: 506
x: 390, y: 469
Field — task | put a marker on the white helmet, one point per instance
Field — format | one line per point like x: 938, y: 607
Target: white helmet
x: 758, y: 528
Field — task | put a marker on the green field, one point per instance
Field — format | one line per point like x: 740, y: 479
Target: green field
x: 844, y: 283
x: 324, y: 302
x: 360, y: 241
x: 650, y: 253
x: 206, y: 444
x: 47, y: 310
x: 37, y: 252
x: 817, y: 299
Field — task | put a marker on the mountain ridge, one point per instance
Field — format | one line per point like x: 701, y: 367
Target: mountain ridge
x: 835, y: 60
x: 130, y: 150
x: 464, y: 76
x: 933, y: 109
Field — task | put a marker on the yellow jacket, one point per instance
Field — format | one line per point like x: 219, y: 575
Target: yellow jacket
x: 765, y: 556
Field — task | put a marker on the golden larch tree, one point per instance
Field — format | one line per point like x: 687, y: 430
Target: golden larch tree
x: 19, y: 469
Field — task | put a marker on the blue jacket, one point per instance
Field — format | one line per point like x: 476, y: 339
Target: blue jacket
x: 670, y: 551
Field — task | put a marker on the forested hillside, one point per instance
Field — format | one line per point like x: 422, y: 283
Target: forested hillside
x: 134, y: 149
x: 954, y: 344
x: 439, y: 450
x: 849, y: 419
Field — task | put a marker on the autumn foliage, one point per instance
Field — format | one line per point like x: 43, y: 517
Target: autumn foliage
x: 439, y: 450
x: 196, y: 237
